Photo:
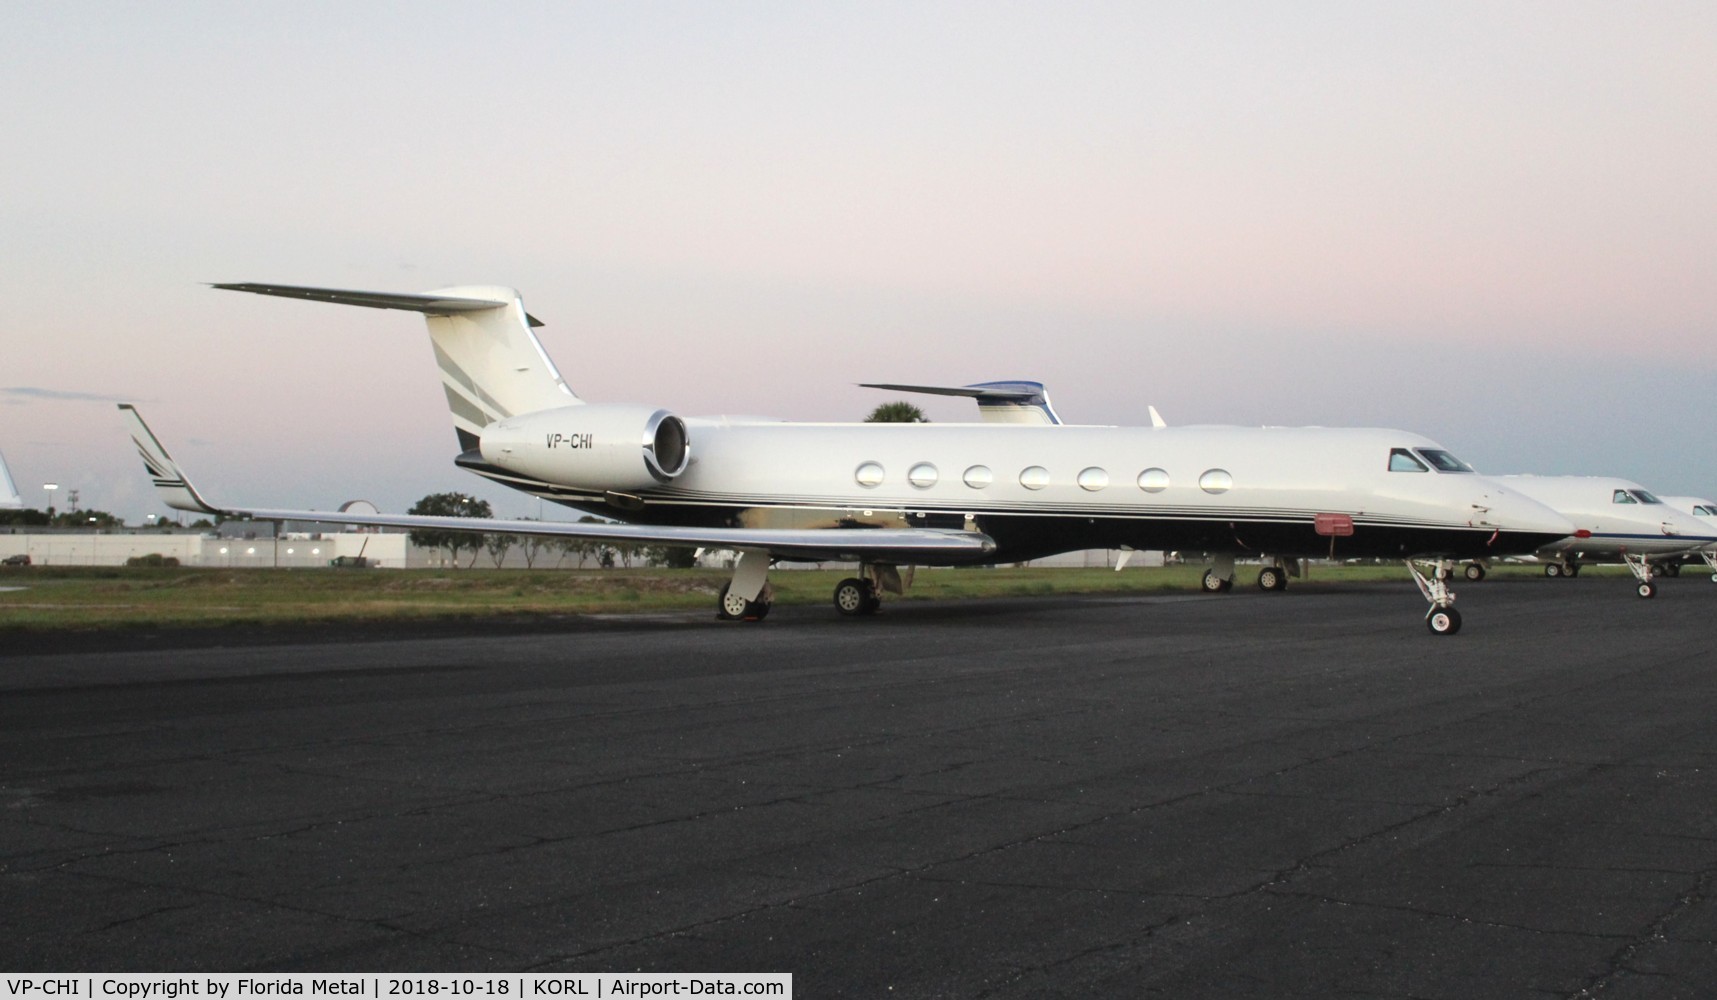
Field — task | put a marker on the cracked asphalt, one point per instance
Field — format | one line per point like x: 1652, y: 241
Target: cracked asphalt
x: 1248, y: 795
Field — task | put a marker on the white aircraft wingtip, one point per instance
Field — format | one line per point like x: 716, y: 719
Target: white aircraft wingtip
x: 9, y: 498
x: 170, y: 482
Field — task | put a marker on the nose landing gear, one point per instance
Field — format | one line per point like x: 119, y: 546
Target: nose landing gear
x: 1442, y: 618
x: 1641, y: 568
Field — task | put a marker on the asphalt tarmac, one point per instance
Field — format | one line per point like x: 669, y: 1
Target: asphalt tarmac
x: 1249, y: 795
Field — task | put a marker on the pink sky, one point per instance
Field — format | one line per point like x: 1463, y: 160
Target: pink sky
x: 1492, y: 224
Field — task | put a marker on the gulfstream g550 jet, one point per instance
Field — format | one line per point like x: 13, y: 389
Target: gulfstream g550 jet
x: 890, y: 495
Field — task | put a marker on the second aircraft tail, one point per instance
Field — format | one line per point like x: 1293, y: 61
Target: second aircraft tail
x: 492, y: 365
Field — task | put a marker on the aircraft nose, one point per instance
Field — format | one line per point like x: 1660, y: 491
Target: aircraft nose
x: 1506, y: 510
x: 1696, y: 531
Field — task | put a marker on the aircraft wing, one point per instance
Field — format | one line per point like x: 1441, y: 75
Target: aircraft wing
x: 905, y: 545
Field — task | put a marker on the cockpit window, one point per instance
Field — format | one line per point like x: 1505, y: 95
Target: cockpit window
x: 1621, y: 496
x: 1402, y: 460
x: 1442, y: 461
x: 1705, y: 509
x: 1644, y: 497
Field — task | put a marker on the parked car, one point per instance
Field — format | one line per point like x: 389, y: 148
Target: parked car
x: 17, y: 560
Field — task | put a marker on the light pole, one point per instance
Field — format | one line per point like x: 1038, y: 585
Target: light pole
x: 49, y: 489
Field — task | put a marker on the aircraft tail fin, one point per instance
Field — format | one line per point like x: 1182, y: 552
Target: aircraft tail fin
x: 176, y: 491
x: 492, y: 364
x: 9, y: 498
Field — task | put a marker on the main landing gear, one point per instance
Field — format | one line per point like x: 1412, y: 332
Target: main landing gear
x: 1442, y: 618
x: 1272, y: 578
x: 862, y: 594
x: 1219, y: 578
x: 1710, y: 558
x: 747, y: 597
x: 854, y: 597
x: 1568, y: 569
x: 732, y: 607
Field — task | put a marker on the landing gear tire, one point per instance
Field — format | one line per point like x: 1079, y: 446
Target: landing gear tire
x: 1646, y: 590
x: 1553, y: 571
x: 733, y: 608
x: 853, y: 597
x: 1474, y: 572
x: 1271, y: 578
x: 1443, y: 621
x: 1214, y: 584
x: 1670, y: 569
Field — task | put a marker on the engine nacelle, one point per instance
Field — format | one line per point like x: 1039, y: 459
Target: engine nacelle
x: 598, y: 448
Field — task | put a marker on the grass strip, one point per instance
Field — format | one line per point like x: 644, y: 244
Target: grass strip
x: 85, y: 598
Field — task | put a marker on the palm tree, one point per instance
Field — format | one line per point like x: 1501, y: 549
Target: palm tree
x: 897, y: 412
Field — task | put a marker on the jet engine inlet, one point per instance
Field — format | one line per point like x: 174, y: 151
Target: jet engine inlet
x: 667, y: 446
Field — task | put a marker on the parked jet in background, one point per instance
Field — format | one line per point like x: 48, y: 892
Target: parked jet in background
x: 9, y: 498
x: 1616, y: 521
x: 1706, y: 511
x: 890, y: 495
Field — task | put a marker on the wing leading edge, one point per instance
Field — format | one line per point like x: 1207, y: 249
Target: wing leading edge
x: 905, y: 545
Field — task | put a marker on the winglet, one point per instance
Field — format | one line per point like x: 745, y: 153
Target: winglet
x: 1156, y: 418
x: 9, y: 498
x: 176, y: 491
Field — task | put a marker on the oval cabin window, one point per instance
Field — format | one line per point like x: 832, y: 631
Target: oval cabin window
x: 1153, y: 480
x: 923, y: 475
x: 1093, y: 479
x: 979, y: 476
x: 1216, y: 481
x: 1034, y: 478
x: 869, y: 475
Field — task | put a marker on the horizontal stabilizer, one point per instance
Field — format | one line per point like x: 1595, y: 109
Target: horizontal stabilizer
x: 9, y: 497
x: 1012, y: 402
x: 429, y: 304
x: 904, y: 545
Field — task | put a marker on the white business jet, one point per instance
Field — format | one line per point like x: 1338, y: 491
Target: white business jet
x: 1615, y: 520
x: 891, y: 495
x: 1705, y: 510
x: 9, y: 498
